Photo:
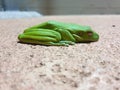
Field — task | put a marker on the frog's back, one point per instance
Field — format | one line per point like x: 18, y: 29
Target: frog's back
x: 63, y: 25
x: 68, y: 26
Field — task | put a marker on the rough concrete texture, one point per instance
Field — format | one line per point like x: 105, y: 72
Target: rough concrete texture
x: 94, y: 66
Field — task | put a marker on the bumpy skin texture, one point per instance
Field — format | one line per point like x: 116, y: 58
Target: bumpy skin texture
x: 58, y: 33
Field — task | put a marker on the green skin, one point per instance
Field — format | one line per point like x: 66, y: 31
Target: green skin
x: 58, y: 34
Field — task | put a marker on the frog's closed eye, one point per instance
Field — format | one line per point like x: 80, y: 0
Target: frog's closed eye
x: 89, y: 33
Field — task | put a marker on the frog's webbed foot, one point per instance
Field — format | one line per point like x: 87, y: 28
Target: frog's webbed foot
x: 67, y: 42
x: 61, y: 43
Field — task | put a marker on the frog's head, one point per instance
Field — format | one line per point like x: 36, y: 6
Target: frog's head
x: 86, y: 34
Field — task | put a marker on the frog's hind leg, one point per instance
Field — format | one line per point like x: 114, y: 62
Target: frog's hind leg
x: 40, y: 40
x: 44, y: 43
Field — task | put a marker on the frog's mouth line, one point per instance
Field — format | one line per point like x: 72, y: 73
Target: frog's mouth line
x: 87, y: 41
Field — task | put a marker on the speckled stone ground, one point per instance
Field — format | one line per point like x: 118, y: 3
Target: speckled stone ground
x: 94, y: 66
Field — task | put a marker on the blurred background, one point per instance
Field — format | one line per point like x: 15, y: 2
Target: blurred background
x: 59, y: 7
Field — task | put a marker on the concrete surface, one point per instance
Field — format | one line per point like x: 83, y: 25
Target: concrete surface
x: 94, y: 66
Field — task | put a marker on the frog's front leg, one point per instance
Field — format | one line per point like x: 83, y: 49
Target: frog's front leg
x: 66, y: 35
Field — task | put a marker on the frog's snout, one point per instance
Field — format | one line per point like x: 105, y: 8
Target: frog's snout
x: 96, y: 37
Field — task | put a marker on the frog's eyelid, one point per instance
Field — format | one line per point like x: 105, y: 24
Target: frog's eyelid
x: 90, y: 33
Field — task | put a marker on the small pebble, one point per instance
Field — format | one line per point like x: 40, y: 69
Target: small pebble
x: 31, y: 55
x: 113, y: 25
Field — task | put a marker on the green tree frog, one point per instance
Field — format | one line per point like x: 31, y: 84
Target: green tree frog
x: 58, y: 34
